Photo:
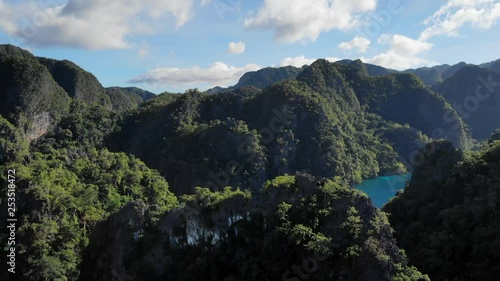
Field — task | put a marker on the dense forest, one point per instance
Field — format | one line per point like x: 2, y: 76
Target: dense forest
x: 447, y: 218
x: 251, y: 182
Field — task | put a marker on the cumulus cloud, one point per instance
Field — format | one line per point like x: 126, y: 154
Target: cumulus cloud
x: 90, y: 24
x: 404, y: 52
x: 296, y: 61
x: 455, y: 14
x: 218, y: 74
x: 298, y: 20
x: 302, y: 60
x: 359, y: 44
x: 236, y: 48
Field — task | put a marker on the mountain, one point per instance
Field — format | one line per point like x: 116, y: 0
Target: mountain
x: 78, y: 83
x: 447, y: 218
x: 298, y: 226
x: 81, y: 204
x: 126, y: 99
x: 474, y: 94
x: 268, y: 76
x: 262, y: 78
x: 400, y: 98
x: 330, y: 121
x: 366, y: 68
x: 143, y: 94
x: 35, y: 93
x: 454, y: 69
x: 432, y: 76
x: 30, y: 98
x: 246, y: 137
x: 493, y: 65
x: 248, y: 184
x: 10, y: 50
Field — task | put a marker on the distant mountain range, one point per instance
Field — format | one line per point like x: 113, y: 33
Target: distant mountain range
x: 456, y: 83
x: 429, y: 75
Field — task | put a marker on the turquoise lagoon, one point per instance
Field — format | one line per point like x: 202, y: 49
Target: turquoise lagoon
x: 382, y: 189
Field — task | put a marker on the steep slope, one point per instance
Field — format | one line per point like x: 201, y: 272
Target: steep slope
x: 268, y: 76
x: 474, y: 93
x: 122, y: 101
x: 495, y: 66
x: 10, y: 50
x: 262, y: 78
x: 125, y: 99
x: 143, y: 94
x: 299, y: 227
x: 246, y: 137
x: 78, y: 83
x: 454, y: 69
x: 447, y: 218
x: 12, y: 145
x: 64, y: 184
x: 430, y: 75
x: 400, y: 98
x: 367, y: 69
x: 29, y: 96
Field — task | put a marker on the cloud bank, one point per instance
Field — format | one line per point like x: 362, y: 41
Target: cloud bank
x: 90, y: 24
x: 218, y: 74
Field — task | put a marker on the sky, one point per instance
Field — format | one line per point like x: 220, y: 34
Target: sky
x: 175, y: 45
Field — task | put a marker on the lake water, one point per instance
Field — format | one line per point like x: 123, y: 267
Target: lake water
x: 382, y: 189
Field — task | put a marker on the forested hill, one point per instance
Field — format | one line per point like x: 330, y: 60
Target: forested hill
x: 472, y: 90
x: 262, y: 78
x: 36, y: 92
x: 431, y: 76
x: 330, y: 121
x: 447, y: 218
x: 475, y: 93
x: 254, y: 183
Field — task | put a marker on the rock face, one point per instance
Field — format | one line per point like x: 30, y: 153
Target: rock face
x: 265, y: 237
x: 40, y: 125
x: 29, y: 96
x: 36, y: 92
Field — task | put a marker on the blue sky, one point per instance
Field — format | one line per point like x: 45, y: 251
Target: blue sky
x: 173, y: 45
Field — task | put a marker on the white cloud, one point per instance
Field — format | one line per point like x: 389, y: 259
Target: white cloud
x: 218, y: 74
x: 404, y: 53
x: 298, y: 20
x: 236, y: 47
x: 455, y: 14
x: 302, y: 60
x: 90, y: 24
x: 361, y: 44
x: 296, y: 61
